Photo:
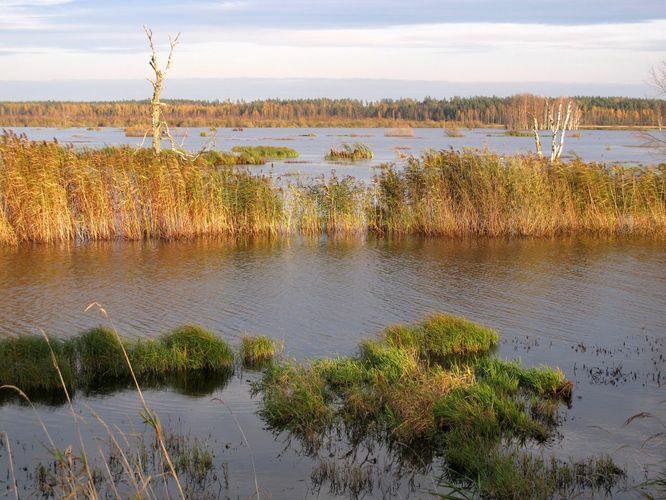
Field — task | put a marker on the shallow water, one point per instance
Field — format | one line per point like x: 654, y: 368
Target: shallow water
x: 595, y: 308
x: 606, y: 146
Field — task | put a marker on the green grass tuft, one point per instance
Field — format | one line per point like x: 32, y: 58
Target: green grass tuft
x: 257, y: 350
x: 95, y: 359
x: 194, y: 348
x: 443, y: 338
x: 295, y: 398
x: 26, y: 363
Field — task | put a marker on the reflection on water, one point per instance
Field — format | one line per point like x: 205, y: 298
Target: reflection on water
x: 595, y: 308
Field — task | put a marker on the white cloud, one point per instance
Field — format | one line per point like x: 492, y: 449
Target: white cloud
x: 23, y: 15
x: 610, y: 53
x: 33, y: 3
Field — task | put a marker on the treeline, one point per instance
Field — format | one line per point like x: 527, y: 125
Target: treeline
x: 511, y: 112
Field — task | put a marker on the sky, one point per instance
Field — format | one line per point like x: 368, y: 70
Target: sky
x: 97, y: 50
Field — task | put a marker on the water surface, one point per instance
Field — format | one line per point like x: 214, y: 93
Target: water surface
x: 595, y: 308
x: 605, y: 146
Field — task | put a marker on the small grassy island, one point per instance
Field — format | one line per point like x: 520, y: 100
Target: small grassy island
x: 433, y: 391
x: 350, y: 152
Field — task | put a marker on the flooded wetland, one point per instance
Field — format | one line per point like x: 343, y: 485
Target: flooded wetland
x: 256, y: 333
x: 332, y: 251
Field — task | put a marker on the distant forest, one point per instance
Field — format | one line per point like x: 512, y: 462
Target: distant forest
x: 511, y: 112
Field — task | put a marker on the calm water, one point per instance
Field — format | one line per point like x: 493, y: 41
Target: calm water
x: 595, y: 308
x: 607, y: 146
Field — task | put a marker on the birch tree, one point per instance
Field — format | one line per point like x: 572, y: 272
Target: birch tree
x: 558, y: 119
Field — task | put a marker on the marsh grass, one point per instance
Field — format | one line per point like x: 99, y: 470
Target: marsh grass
x: 350, y: 152
x: 257, y: 351
x: 96, y: 358
x: 73, y: 474
x: 50, y: 193
x: 435, y: 387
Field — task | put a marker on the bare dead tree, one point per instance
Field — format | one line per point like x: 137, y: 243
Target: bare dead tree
x: 158, y: 125
x: 558, y: 120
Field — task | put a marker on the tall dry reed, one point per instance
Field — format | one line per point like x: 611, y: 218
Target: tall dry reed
x: 51, y: 193
x: 446, y: 193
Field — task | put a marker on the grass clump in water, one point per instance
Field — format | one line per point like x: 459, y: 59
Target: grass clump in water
x: 443, y: 337
x: 97, y: 354
x: 453, y: 132
x: 296, y: 398
x: 137, y: 131
x: 257, y: 350
x: 266, y: 153
x: 350, y: 152
x: 194, y: 348
x: 96, y: 358
x: 399, y: 132
x: 434, y: 387
x: 26, y: 362
x: 518, y: 133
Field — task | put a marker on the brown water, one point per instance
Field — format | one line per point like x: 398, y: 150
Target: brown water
x: 595, y: 308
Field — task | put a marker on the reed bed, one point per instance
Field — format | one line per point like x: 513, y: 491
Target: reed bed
x: 435, y: 387
x: 350, y: 152
x: 446, y: 193
x: 399, y: 132
x: 50, y: 193
x: 336, y: 205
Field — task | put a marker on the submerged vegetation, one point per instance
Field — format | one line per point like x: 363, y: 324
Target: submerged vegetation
x: 51, y: 193
x: 97, y: 357
x: 351, y: 152
x: 435, y: 390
